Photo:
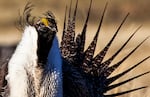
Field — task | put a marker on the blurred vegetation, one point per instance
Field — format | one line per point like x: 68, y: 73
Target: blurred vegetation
x: 117, y: 9
x: 139, y: 9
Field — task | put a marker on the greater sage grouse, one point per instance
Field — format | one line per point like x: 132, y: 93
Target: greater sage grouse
x: 40, y: 68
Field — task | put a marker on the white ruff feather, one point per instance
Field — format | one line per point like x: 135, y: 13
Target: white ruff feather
x: 24, y: 58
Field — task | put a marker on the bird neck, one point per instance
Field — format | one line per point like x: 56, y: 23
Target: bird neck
x: 44, y: 44
x: 54, y: 68
x: 54, y: 58
x: 54, y: 55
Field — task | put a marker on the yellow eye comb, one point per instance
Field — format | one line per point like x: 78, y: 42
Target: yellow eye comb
x: 45, y: 22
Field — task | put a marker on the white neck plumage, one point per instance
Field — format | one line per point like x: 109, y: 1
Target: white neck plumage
x: 24, y: 61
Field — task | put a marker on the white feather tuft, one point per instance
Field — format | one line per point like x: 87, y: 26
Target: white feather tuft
x: 23, y: 58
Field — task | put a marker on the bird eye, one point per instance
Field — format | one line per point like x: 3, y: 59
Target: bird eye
x: 52, y: 21
x: 42, y: 24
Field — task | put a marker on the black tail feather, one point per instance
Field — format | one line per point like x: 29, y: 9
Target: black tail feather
x: 70, y: 27
x: 114, y: 67
x: 98, y: 59
x: 80, y: 39
x: 73, y: 21
x: 69, y: 15
x: 75, y: 11
x: 83, y: 33
x: 112, y: 79
x: 125, y: 92
x: 126, y: 81
x: 107, y: 71
x: 89, y: 53
x: 64, y: 29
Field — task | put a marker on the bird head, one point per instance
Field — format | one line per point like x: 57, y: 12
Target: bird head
x: 46, y: 27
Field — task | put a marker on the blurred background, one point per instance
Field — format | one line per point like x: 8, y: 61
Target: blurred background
x: 116, y: 11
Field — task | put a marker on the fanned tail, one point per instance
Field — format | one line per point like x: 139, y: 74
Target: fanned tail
x: 80, y: 39
x: 101, y: 55
x: 89, y: 52
x: 68, y: 47
x: 108, y: 70
x: 92, y: 72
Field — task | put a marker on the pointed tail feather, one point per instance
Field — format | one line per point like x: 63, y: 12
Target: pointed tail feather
x: 69, y: 17
x: 126, y: 81
x: 98, y: 59
x: 91, y: 49
x: 112, y: 79
x: 69, y: 34
x: 64, y: 29
x: 125, y: 92
x: 82, y: 37
x: 114, y: 67
x: 73, y: 21
x: 108, y: 62
x: 75, y: 12
x: 68, y: 47
x: 71, y: 27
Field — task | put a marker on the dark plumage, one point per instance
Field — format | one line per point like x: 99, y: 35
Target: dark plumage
x: 46, y: 36
x: 91, y: 73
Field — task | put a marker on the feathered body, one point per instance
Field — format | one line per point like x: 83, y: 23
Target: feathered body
x: 68, y: 71
x: 91, y: 73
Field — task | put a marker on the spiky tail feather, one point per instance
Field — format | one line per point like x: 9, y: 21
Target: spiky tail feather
x: 92, y: 71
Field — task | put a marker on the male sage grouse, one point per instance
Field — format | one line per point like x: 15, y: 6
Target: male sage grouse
x: 40, y: 68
